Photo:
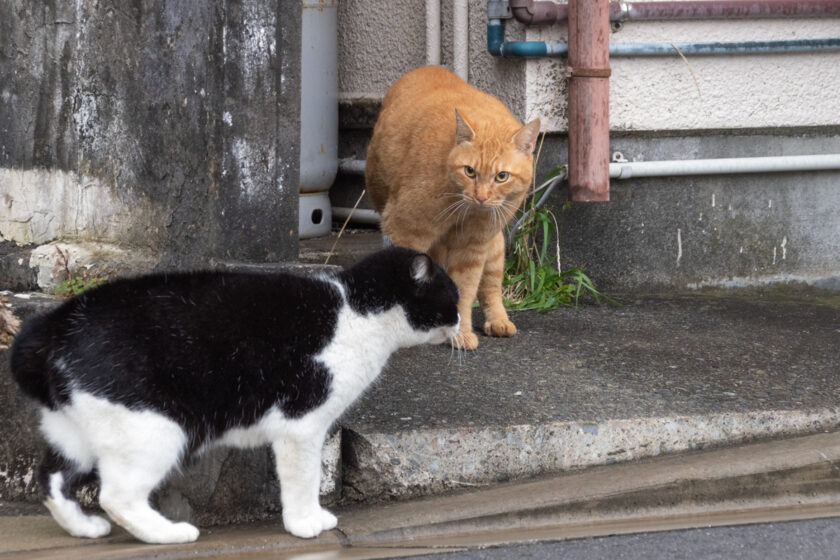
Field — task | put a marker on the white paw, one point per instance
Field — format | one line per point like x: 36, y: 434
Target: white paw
x: 173, y: 534
x: 89, y: 527
x: 71, y: 518
x: 96, y: 527
x: 310, y: 525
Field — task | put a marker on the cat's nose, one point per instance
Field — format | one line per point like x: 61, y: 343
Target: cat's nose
x: 481, y: 198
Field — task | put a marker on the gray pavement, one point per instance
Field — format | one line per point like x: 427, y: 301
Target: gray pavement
x: 815, y: 539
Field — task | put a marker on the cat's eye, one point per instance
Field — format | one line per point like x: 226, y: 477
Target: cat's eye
x: 502, y: 176
x: 469, y: 171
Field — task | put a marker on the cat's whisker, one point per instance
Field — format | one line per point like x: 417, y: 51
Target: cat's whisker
x: 462, y: 217
x: 455, y: 350
x: 459, y: 213
x: 458, y: 342
x: 507, y: 213
x: 463, y: 355
x: 508, y: 210
x: 455, y: 210
x: 449, y: 210
x: 508, y: 205
x: 500, y: 214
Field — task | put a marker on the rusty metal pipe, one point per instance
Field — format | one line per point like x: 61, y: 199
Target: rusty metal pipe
x: 589, y: 93
x: 541, y: 12
x: 532, y: 12
x: 724, y: 9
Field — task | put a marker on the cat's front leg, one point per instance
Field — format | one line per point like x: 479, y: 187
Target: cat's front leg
x: 298, y: 459
x: 496, y: 321
x: 465, y: 267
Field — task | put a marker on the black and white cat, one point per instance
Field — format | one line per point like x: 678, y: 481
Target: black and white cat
x: 135, y: 375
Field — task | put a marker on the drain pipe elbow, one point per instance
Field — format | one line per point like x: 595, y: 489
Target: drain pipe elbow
x: 495, y: 37
x: 497, y: 46
x: 537, y: 12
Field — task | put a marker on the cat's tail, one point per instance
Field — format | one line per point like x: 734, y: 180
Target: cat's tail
x: 28, y: 358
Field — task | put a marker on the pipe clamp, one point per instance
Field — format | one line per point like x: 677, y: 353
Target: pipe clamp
x: 577, y: 72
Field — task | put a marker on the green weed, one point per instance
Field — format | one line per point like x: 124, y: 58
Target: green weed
x: 533, y: 277
x: 75, y: 285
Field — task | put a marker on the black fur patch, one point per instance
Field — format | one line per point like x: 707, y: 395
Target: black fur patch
x: 428, y: 302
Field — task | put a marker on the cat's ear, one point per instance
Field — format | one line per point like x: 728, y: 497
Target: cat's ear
x: 463, y: 131
x: 526, y: 139
x: 421, y: 269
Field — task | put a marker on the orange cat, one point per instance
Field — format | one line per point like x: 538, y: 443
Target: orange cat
x: 447, y: 167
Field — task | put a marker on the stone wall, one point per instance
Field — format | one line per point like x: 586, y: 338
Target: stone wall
x: 169, y: 127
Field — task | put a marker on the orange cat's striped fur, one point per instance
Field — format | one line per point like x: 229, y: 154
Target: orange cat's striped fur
x: 447, y: 167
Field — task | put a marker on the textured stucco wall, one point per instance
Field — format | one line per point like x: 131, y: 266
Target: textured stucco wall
x: 381, y: 41
x: 704, y: 92
x: 167, y: 126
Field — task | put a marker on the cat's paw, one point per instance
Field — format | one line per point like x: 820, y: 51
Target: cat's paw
x: 310, y: 525
x: 499, y: 328
x: 96, y: 527
x: 465, y: 340
x: 89, y: 527
x: 174, y: 533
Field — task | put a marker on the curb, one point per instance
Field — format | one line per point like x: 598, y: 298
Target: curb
x: 798, y: 478
x: 423, y: 462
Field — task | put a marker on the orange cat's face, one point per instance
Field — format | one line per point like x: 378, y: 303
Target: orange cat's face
x: 492, y: 169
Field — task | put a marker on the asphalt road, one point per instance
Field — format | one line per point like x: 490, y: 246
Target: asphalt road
x: 817, y: 539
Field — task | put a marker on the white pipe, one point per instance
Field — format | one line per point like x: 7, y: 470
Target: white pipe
x: 774, y: 164
x: 433, y: 32
x: 627, y: 170
x: 360, y: 215
x: 461, y: 39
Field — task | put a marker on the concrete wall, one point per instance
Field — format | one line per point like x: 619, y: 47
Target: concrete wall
x: 711, y: 230
x: 732, y: 229
x: 168, y: 127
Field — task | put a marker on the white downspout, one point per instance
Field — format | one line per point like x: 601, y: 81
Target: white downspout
x: 318, y: 116
x: 461, y: 39
x: 433, y: 32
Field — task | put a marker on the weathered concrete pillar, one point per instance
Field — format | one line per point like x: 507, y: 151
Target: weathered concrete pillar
x: 169, y: 127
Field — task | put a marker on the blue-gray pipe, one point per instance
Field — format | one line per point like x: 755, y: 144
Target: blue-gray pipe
x: 497, y: 46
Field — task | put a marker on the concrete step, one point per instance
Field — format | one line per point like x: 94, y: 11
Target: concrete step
x: 599, y: 385
x: 792, y: 479
x: 575, y: 388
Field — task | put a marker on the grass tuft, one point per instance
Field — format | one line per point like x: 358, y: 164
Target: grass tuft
x: 533, y: 277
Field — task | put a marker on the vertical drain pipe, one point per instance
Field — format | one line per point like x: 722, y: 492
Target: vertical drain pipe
x: 318, y: 115
x: 589, y: 91
x: 433, y: 32
x: 461, y: 39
